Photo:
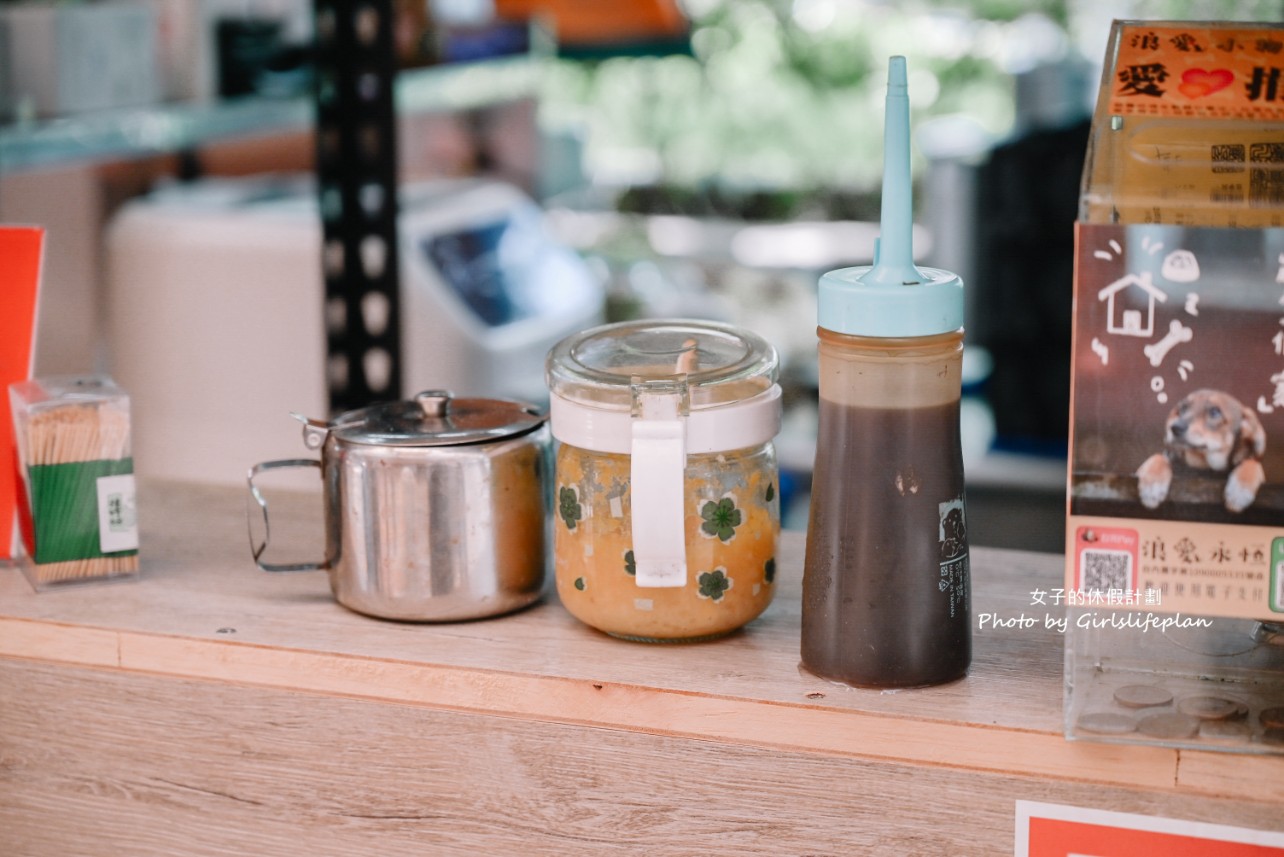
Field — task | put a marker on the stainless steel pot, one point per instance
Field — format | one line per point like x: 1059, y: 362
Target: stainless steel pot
x: 434, y: 508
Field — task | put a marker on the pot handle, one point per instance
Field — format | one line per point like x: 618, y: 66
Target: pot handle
x: 257, y: 496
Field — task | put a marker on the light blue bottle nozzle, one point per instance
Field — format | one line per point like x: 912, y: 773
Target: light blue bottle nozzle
x: 894, y: 297
x: 894, y: 252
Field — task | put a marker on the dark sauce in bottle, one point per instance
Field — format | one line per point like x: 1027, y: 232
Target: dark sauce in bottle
x: 886, y: 592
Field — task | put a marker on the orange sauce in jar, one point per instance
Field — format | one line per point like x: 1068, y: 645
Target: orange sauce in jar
x: 731, y: 519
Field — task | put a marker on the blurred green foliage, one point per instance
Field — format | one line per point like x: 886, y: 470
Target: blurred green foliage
x: 777, y: 95
x: 783, y: 98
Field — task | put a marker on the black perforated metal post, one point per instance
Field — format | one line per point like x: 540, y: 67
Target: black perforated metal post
x: 357, y: 183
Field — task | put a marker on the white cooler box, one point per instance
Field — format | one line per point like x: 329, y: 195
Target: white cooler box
x: 216, y: 326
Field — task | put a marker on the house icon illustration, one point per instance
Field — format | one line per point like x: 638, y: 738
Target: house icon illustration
x: 1124, y: 317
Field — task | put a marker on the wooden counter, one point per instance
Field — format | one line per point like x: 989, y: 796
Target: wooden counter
x: 210, y: 708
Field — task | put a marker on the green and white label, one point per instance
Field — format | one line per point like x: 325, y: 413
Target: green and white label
x: 117, y: 513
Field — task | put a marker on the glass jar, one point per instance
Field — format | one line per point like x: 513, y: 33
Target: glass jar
x: 666, y: 496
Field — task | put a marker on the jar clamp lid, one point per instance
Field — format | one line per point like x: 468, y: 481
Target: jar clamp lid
x: 656, y: 391
x: 432, y: 418
x: 724, y: 378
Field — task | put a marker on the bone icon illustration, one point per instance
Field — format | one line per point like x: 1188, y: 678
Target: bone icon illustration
x: 1177, y: 332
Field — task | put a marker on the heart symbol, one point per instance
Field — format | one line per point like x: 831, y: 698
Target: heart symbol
x: 1196, y: 82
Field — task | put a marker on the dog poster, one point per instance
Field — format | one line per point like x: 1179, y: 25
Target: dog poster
x: 1177, y: 427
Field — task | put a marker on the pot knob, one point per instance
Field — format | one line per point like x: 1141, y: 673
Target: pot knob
x: 434, y: 403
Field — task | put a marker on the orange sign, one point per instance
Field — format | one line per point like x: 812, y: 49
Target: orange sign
x: 20, y: 254
x: 1199, y: 70
x: 1054, y: 830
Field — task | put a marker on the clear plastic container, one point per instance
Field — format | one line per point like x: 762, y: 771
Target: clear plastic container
x: 77, y: 501
x: 666, y: 507
x: 1188, y: 129
x: 1174, y: 622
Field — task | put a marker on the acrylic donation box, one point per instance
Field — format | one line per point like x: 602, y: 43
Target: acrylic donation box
x: 1175, y: 538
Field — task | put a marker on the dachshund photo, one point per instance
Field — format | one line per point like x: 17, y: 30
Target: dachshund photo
x: 1212, y: 431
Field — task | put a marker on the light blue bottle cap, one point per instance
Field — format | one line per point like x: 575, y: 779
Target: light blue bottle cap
x: 893, y: 297
x: 851, y: 304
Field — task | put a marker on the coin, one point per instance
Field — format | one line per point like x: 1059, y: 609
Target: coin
x: 1142, y: 696
x: 1107, y: 723
x: 1272, y: 718
x: 1168, y: 725
x: 1208, y: 707
x: 1224, y: 730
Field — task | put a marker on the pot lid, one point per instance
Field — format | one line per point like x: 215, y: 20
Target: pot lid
x: 435, y: 418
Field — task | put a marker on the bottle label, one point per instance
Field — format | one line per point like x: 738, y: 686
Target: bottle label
x: 954, y: 554
x: 117, y: 513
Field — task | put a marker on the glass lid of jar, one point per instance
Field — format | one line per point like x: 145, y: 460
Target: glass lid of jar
x: 720, y: 363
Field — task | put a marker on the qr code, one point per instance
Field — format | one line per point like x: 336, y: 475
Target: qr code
x: 1231, y: 193
x: 1228, y: 158
x: 1266, y: 153
x: 1103, y: 571
x: 1266, y: 182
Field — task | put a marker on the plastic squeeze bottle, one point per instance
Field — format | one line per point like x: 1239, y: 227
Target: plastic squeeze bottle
x: 886, y: 594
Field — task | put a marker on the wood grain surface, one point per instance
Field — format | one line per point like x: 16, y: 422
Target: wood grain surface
x: 210, y: 708
x: 107, y: 763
